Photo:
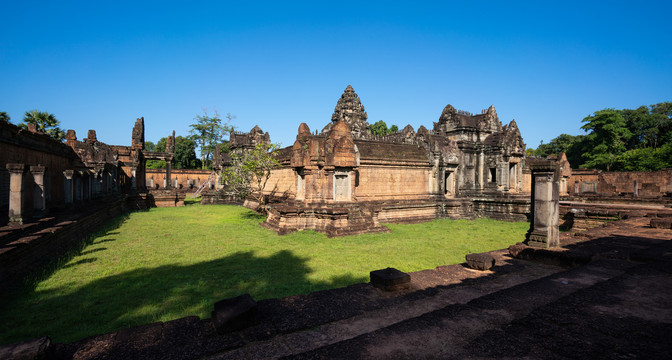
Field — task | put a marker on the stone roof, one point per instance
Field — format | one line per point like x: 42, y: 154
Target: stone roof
x: 374, y: 150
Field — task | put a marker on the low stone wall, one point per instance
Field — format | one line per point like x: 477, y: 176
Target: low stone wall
x: 620, y: 184
x: 219, y: 198
x: 184, y: 180
x: 165, y: 198
x: 503, y: 208
x: 26, y: 251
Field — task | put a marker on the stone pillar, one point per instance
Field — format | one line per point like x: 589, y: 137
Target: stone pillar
x: 134, y: 182
x: 39, y: 197
x: 545, y: 206
x: 636, y: 190
x: 169, y: 180
x: 18, y: 209
x: 88, y: 181
x: 481, y: 168
x: 69, y: 187
x: 78, y: 187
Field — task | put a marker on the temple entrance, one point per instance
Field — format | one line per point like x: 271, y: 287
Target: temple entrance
x: 449, y: 183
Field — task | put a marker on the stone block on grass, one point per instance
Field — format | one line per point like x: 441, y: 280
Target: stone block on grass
x: 483, y: 261
x: 390, y: 279
x: 234, y: 314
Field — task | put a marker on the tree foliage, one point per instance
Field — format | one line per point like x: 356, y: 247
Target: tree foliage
x: 185, y: 153
x: 619, y: 140
x: 380, y: 128
x: 249, y: 173
x: 4, y: 117
x: 45, y: 122
x: 208, y: 131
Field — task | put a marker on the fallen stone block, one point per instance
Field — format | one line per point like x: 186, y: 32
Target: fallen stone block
x: 234, y: 314
x: 483, y: 261
x: 34, y: 349
x: 390, y: 279
x: 516, y: 250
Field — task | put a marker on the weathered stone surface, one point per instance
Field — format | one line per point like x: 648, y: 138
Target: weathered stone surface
x: 661, y: 223
x: 483, y: 261
x: 234, y: 314
x: 35, y: 349
x: 390, y: 279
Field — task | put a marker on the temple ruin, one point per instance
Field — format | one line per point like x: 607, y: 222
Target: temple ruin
x: 346, y: 180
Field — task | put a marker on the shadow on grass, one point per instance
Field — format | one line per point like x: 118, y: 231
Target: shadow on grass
x: 253, y: 216
x: 151, y: 294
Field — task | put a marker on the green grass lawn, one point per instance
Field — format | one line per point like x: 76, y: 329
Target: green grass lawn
x: 168, y: 263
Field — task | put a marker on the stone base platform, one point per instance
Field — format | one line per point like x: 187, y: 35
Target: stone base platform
x: 165, y: 198
x: 332, y: 219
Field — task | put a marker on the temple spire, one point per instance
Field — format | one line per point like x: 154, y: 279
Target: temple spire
x: 350, y: 110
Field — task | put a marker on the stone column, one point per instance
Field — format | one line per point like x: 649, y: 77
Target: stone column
x: 481, y: 168
x: 18, y: 211
x: 545, y: 206
x: 39, y: 197
x: 68, y: 187
x: 169, y: 180
x: 134, y: 183
x: 78, y: 188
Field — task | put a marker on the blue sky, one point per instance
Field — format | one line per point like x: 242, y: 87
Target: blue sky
x: 548, y: 65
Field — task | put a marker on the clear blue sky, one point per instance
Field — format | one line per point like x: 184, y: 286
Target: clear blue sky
x: 100, y: 65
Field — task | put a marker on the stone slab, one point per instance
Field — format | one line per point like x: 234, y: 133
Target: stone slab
x: 482, y: 261
x: 390, y: 279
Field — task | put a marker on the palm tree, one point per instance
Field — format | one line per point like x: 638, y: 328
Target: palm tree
x: 45, y: 122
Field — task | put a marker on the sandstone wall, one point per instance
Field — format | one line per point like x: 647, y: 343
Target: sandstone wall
x: 378, y: 182
x: 282, y: 181
x: 651, y: 184
x: 183, y: 179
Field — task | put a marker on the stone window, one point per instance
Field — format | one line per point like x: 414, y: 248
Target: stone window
x: 342, y: 185
x: 492, y: 175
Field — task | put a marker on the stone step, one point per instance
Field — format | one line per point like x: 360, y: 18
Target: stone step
x: 475, y: 304
x: 447, y: 332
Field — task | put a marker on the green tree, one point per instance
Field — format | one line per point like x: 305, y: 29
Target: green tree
x: 185, y: 153
x: 4, y: 117
x: 45, y: 122
x: 150, y: 146
x: 379, y: 128
x: 208, y: 131
x: 608, y: 137
x: 184, y: 157
x: 249, y: 173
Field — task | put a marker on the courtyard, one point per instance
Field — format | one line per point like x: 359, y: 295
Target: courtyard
x: 168, y: 263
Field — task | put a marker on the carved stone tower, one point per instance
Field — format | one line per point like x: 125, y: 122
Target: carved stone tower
x: 350, y: 110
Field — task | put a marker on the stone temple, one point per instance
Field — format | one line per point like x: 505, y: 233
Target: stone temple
x: 345, y: 180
